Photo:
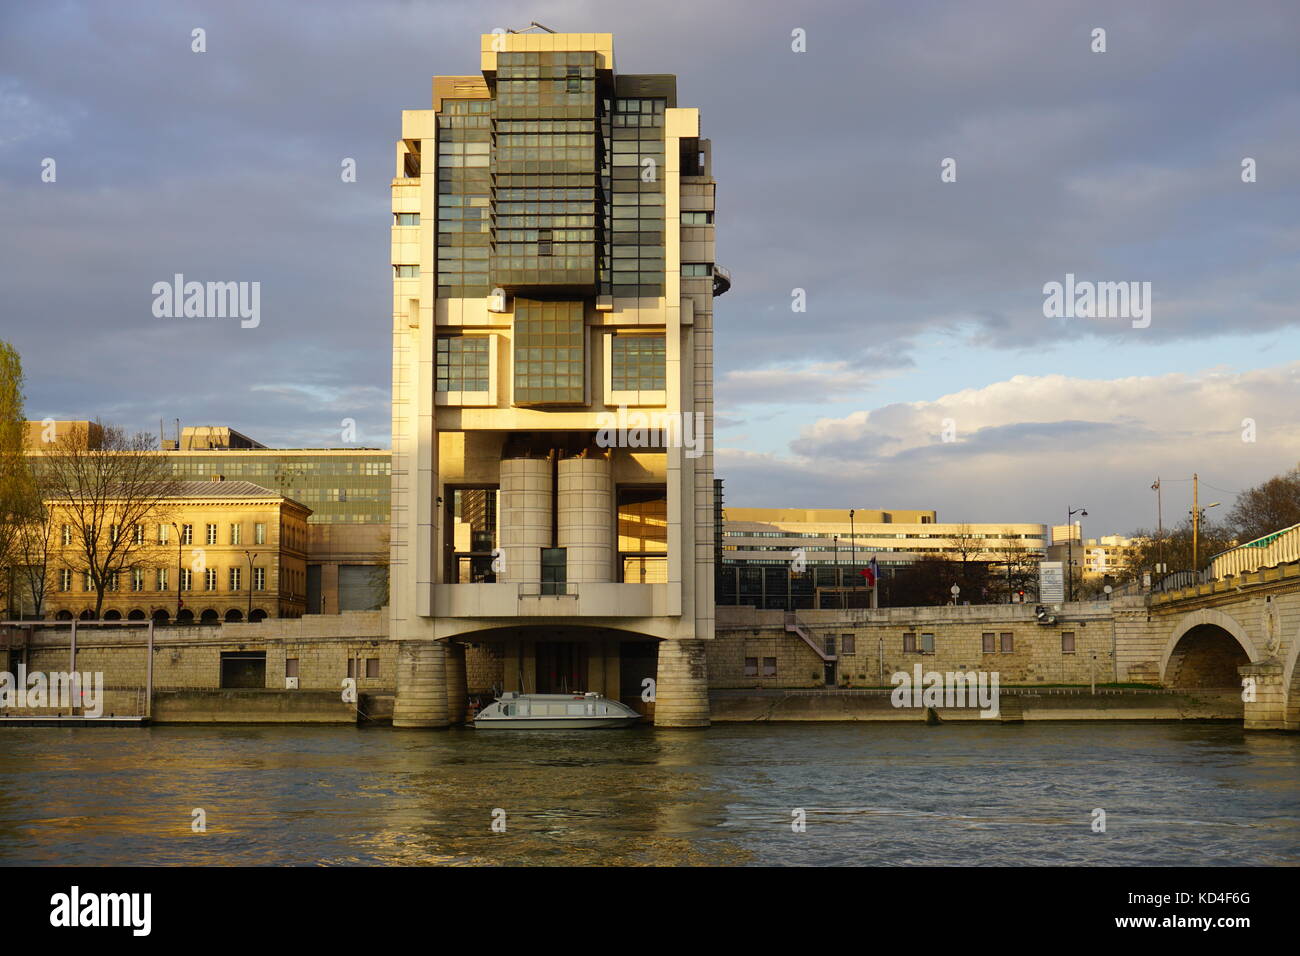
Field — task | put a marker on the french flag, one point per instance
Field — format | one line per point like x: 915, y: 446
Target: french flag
x: 871, y: 572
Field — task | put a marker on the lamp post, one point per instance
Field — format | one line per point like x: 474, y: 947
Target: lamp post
x: 1069, y: 548
x: 178, y: 570
x: 853, y: 549
x: 956, y: 592
x: 249, y: 555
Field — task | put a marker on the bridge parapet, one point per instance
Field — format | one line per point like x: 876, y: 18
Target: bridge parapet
x: 1282, y: 577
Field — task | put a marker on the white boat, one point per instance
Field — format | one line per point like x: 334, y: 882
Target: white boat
x: 515, y: 711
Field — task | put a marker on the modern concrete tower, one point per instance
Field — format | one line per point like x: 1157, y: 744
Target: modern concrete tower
x: 552, y: 477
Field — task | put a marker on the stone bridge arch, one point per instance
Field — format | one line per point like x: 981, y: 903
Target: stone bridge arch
x: 1204, y: 649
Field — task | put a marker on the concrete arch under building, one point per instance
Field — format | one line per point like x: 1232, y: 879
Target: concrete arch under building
x: 209, y: 616
x: 234, y: 616
x: 559, y: 658
x: 161, y: 616
x: 135, y: 614
x: 112, y: 614
x: 1205, y: 650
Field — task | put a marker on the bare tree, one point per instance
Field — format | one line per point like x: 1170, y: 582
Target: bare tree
x: 1175, y: 550
x: 1268, y: 507
x: 1016, y: 565
x: 106, y: 492
x: 13, y: 467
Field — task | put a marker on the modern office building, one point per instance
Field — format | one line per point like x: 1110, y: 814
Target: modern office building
x: 780, y: 557
x: 553, y: 284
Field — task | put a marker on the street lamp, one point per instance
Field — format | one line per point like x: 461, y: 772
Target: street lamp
x: 1069, y: 548
x: 955, y: 590
x: 178, y: 570
x: 853, y: 549
x: 249, y: 555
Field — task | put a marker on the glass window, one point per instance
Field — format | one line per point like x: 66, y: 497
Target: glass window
x: 1067, y: 642
x: 696, y: 269
x: 462, y: 363
x: 989, y: 641
x: 1008, y: 642
x: 751, y: 666
x: 769, y: 667
x: 927, y: 643
x: 408, y: 218
x: 554, y: 570
x: 638, y: 363
x: 909, y: 643
x: 549, y: 353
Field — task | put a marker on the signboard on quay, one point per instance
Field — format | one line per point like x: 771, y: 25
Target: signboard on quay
x: 1051, y: 582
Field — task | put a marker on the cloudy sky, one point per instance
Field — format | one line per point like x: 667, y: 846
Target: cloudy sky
x: 923, y: 373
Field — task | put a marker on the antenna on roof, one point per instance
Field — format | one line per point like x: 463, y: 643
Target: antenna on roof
x: 531, y: 24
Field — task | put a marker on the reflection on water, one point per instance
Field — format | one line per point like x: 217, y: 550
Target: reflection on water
x: 872, y: 794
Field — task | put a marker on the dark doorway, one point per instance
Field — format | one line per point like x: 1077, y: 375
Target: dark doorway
x: 243, y: 669
x: 561, y: 667
x: 637, y: 660
x: 830, y: 673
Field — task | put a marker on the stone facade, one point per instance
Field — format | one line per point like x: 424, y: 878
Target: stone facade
x: 1076, y: 649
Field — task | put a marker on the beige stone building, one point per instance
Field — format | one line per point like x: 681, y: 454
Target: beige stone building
x: 217, y: 551
x: 553, y: 285
x: 346, y: 488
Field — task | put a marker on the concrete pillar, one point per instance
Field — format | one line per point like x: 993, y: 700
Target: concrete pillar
x: 524, y: 517
x: 585, y: 502
x: 457, y: 683
x: 421, y: 684
x: 1268, y: 710
x: 682, y: 685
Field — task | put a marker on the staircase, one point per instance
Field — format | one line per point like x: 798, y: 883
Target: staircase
x: 793, y: 626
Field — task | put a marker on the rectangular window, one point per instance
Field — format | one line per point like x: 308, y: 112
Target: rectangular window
x: 259, y: 533
x: 555, y: 567
x: 990, y: 642
x: 67, y: 535
x: 138, y: 537
x: 187, y: 579
x: 291, y: 667
x: 1067, y: 642
x: 236, y: 534
x: 769, y: 667
x: 695, y: 270
x: 372, y: 667
x: 259, y: 579
x: 162, y: 579
x: 137, y: 579
x: 65, y: 579
x: 550, y: 353
x: 462, y: 363
x: 909, y: 643
x: 927, y: 643
x: 1008, y: 642
x: 112, y: 534
x: 113, y: 581
x: 751, y: 666
x: 164, y: 533
x: 828, y: 645
x: 407, y: 272
x: 697, y: 218
x: 86, y: 584
x: 352, y: 667
x: 407, y: 218
x: 234, y: 578
x: 637, y: 363
x: 212, y: 534
x: 210, y: 579
x: 187, y: 534
x: 848, y: 644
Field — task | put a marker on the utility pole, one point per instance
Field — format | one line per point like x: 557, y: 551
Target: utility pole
x: 1160, y: 525
x: 1196, y: 525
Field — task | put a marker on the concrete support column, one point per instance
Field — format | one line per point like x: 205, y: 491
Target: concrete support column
x: 421, y: 684
x: 457, y: 683
x: 682, y: 685
x: 1268, y: 710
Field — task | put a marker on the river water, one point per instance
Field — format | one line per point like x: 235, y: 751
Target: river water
x: 894, y: 794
